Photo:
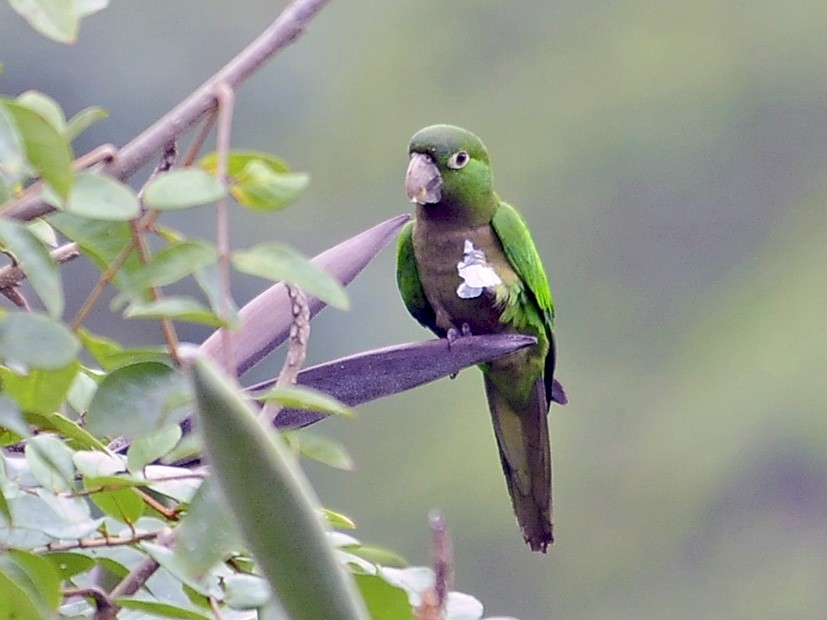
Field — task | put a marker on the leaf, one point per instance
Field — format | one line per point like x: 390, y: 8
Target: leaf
x: 160, y: 610
x: 100, y: 197
x: 34, y: 260
x: 244, y: 591
x: 337, y: 519
x: 137, y: 399
x: 148, y: 448
x: 260, y: 187
x: 84, y: 119
x: 176, y: 308
x: 41, y: 229
x: 292, y: 551
x: 173, y: 263
x: 301, y: 397
x: 13, y: 163
x: 55, y: 19
x: 111, y: 355
x: 46, y: 107
x: 70, y: 564
x: 238, y: 159
x: 36, y: 340
x: 384, y: 601
x: 38, y: 390
x: 279, y: 262
x: 122, y: 504
x: 182, y: 189
x: 50, y: 462
x: 78, y: 437
x: 101, y: 241
x: 208, y: 533
x: 46, y: 149
x: 85, y: 8
x: 321, y: 449
x: 11, y: 418
x: 34, y: 576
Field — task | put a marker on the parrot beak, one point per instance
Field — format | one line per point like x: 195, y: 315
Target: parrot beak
x: 423, y: 181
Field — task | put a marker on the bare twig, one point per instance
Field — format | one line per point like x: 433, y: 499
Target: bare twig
x: 132, y: 157
x: 12, y: 275
x: 435, y: 599
x: 296, y: 351
x: 138, y: 576
x: 105, y: 609
x: 107, y: 541
x: 226, y: 100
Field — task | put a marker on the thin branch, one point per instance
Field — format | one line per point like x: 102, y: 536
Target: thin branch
x: 107, y: 541
x: 138, y: 576
x: 12, y: 275
x: 296, y: 351
x: 226, y: 103
x: 287, y: 27
x: 105, y: 609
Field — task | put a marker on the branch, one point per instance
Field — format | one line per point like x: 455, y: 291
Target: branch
x: 132, y: 157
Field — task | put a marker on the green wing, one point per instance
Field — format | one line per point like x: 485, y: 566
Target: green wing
x: 516, y: 240
x: 407, y: 279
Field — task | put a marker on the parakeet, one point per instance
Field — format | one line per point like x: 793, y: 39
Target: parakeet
x: 466, y: 261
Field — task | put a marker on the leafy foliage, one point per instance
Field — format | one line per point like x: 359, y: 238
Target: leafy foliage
x: 90, y: 480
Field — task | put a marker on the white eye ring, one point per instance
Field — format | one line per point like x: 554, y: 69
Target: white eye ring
x: 458, y: 160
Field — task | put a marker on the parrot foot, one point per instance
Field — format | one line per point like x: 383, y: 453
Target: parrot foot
x: 455, y: 334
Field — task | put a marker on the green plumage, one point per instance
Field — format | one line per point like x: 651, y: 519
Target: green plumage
x: 467, y: 258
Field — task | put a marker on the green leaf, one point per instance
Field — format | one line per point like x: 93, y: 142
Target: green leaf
x: 137, y: 399
x: 384, y: 601
x: 244, y: 591
x: 84, y: 119
x: 85, y: 8
x: 55, y: 19
x: 208, y: 533
x: 238, y: 159
x: 280, y: 262
x: 173, y: 263
x: 260, y: 187
x: 34, y: 576
x: 13, y: 163
x: 292, y: 551
x: 36, y: 340
x: 124, y: 504
x: 377, y: 555
x: 46, y: 149
x: 50, y: 462
x: 11, y: 418
x: 34, y: 260
x: 338, y: 520
x: 78, y: 437
x: 101, y: 241
x: 111, y: 355
x: 41, y: 229
x: 148, y: 448
x: 70, y: 564
x: 81, y: 391
x: 100, y: 197
x: 176, y: 308
x: 301, y: 397
x: 161, y: 610
x: 46, y: 107
x: 320, y: 448
x: 39, y: 391
x: 181, y: 189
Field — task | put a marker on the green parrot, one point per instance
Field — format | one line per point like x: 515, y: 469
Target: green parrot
x: 466, y: 264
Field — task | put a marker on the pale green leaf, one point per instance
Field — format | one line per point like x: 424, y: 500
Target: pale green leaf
x: 181, y: 189
x: 13, y: 163
x: 244, y: 591
x: 41, y: 229
x: 176, y: 308
x: 46, y: 149
x: 85, y: 8
x: 279, y: 262
x: 123, y: 504
x: 55, y: 19
x: 238, y: 159
x: 260, y: 187
x: 320, y: 448
x: 155, y: 609
x: 36, y: 340
x: 84, y: 119
x: 11, y: 418
x: 383, y: 600
x: 35, y: 261
x: 301, y: 397
x: 50, y: 462
x: 100, y: 197
x: 39, y: 390
x: 148, y: 448
x: 46, y: 107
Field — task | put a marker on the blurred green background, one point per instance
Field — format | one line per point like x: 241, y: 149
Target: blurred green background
x: 671, y: 159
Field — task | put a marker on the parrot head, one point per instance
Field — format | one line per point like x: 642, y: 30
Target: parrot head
x: 448, y: 169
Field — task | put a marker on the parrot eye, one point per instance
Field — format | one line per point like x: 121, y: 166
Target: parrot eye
x: 458, y: 160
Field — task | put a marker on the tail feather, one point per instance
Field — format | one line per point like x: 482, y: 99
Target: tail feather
x: 525, y: 454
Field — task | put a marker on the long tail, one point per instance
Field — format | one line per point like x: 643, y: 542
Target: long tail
x: 525, y: 454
